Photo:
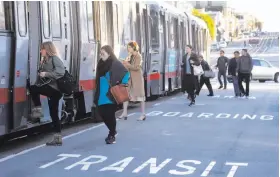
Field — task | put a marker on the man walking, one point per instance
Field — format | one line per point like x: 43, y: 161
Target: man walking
x: 244, y: 69
x: 232, y: 72
x: 222, y: 67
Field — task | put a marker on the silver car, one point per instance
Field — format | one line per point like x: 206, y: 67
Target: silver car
x: 264, y: 71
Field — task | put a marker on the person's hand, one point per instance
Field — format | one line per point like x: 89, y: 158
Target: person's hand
x: 191, y: 61
x: 42, y: 74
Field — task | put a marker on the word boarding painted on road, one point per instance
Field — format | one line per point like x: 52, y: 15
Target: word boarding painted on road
x: 233, y: 97
x: 211, y: 115
x: 183, y: 167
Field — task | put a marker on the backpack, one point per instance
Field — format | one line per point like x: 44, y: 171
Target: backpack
x: 66, y: 84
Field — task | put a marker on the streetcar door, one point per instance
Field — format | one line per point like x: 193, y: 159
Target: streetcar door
x: 19, y: 67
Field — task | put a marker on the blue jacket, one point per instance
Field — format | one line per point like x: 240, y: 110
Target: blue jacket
x: 104, y: 88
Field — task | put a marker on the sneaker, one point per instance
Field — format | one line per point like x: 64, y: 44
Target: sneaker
x: 110, y: 139
x: 36, y: 113
x: 220, y: 87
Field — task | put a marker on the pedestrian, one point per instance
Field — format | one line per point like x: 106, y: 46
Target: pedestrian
x: 232, y: 72
x: 203, y: 79
x: 136, y: 82
x: 189, y: 80
x: 244, y: 69
x: 222, y: 63
x: 51, y: 68
x: 245, y: 43
x: 110, y: 72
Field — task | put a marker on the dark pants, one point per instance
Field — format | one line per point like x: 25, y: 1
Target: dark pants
x: 206, y: 81
x: 235, y: 85
x: 53, y: 100
x: 246, y: 77
x: 107, y: 112
x: 222, y: 73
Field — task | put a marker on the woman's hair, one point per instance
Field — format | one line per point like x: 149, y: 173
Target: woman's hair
x: 133, y: 45
x: 108, y: 49
x: 50, y: 48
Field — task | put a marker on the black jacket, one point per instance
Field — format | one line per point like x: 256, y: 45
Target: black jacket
x: 205, y: 65
x: 194, y: 58
x: 232, y: 67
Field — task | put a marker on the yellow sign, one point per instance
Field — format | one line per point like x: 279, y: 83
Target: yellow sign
x: 208, y: 20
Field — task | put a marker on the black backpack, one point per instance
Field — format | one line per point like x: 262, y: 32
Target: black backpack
x: 66, y: 84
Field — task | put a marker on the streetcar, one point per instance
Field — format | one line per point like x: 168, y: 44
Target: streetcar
x: 79, y: 29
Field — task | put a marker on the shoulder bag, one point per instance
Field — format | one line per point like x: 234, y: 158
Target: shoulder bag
x: 66, y: 84
x: 119, y: 92
x: 197, y: 70
x: 209, y: 74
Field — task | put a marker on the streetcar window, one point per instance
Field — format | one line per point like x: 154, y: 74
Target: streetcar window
x: 154, y: 28
x: 21, y: 10
x: 46, y: 18
x: 90, y: 21
x: 2, y: 16
x: 116, y: 24
x: 56, y: 22
x: 172, y: 33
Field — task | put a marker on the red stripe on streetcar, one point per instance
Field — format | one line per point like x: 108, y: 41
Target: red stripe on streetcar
x: 4, y: 98
x: 20, y: 94
x: 86, y: 85
x: 154, y: 76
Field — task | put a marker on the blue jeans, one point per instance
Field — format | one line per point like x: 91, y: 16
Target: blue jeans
x: 235, y: 85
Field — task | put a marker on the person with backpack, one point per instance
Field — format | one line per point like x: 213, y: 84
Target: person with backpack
x: 51, y: 69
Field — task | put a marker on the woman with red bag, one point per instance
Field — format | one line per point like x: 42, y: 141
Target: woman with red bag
x: 110, y: 72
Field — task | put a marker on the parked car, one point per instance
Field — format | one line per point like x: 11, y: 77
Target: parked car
x: 254, y: 41
x: 223, y: 44
x: 263, y: 71
x: 215, y: 47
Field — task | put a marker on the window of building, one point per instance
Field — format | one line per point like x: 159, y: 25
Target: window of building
x: 21, y: 10
x: 46, y: 18
x: 56, y: 19
x: 90, y: 21
x: 154, y: 21
x: 209, y: 3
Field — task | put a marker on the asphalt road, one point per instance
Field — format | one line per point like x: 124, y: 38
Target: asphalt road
x: 220, y: 136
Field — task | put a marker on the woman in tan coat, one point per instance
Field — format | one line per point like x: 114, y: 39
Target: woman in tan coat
x: 136, y: 83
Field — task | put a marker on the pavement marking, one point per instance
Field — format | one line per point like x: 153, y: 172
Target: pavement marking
x: 43, y: 145
x: 157, y: 104
x: 203, y: 115
x: 153, y: 164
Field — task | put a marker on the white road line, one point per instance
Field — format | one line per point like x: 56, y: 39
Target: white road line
x: 43, y: 145
x: 157, y: 104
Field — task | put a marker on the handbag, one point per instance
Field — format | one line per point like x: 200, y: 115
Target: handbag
x: 66, y: 84
x: 209, y: 74
x: 197, y: 70
x: 119, y: 92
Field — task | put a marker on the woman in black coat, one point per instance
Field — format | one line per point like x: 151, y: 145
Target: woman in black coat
x: 189, y: 80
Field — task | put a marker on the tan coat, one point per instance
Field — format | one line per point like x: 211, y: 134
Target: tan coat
x: 136, y: 81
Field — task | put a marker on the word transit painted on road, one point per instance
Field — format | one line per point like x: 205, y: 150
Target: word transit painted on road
x: 183, y: 167
x: 211, y: 115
